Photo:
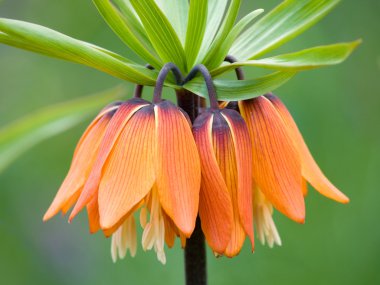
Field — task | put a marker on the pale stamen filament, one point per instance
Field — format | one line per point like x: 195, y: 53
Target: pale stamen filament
x: 124, y: 239
x: 154, y: 230
x: 263, y: 218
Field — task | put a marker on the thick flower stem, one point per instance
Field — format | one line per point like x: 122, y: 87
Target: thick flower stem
x: 195, y: 258
x: 195, y: 251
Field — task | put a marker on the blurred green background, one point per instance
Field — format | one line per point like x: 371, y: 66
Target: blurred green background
x: 337, y: 109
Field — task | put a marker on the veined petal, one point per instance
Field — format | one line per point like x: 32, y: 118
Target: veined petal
x: 215, y: 205
x: 276, y: 162
x: 129, y: 172
x: 225, y: 155
x: 304, y: 187
x: 243, y: 153
x: 170, y: 230
x: 178, y: 167
x: 115, y: 127
x: 93, y: 215
x: 111, y: 109
x: 110, y: 231
x: 84, y: 157
x: 310, y: 169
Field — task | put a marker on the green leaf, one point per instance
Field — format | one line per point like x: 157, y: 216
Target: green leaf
x: 214, y: 57
x: 177, y: 12
x: 161, y: 33
x: 225, y: 46
x: 19, y: 136
x: 195, y: 30
x: 11, y: 41
x: 48, y: 42
x: 234, y: 90
x: 117, y: 23
x: 132, y: 20
x: 298, y: 61
x: 19, y: 43
x: 215, y: 13
x: 282, y: 24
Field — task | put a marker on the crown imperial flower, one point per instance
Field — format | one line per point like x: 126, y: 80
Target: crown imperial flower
x: 225, y: 199
x: 142, y: 156
x: 199, y: 169
x: 146, y: 158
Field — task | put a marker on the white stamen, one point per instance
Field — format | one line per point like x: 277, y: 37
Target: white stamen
x: 154, y: 230
x: 263, y: 218
x: 124, y: 239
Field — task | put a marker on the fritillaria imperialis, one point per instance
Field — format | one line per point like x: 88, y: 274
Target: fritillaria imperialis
x: 215, y: 162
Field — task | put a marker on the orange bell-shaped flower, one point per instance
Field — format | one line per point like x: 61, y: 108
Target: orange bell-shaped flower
x: 225, y: 206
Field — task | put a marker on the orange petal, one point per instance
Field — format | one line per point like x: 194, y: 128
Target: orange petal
x: 129, y: 172
x: 215, y: 205
x: 110, y: 231
x: 243, y: 153
x: 93, y: 215
x: 170, y: 231
x: 84, y: 157
x: 225, y: 155
x: 304, y: 187
x: 310, y: 169
x: 116, y: 125
x: 276, y: 163
x: 110, y: 109
x: 178, y: 167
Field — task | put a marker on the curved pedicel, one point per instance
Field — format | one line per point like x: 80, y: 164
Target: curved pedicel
x: 209, y: 83
x: 157, y: 94
x: 240, y: 76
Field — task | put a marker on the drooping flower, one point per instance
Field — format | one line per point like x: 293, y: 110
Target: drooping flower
x: 310, y: 169
x: 83, y: 160
x: 282, y: 165
x: 225, y: 206
x: 147, y: 159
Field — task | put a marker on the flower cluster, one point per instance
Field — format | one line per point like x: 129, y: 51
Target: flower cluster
x: 231, y: 166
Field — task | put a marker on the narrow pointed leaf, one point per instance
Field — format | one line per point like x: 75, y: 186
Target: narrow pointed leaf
x: 195, y: 30
x: 218, y: 54
x: 49, y: 42
x: 234, y: 90
x: 216, y: 10
x: 211, y: 61
x: 19, y: 136
x: 298, y: 61
x: 115, y: 20
x: 132, y: 20
x: 177, y: 13
x: 18, y: 43
x: 22, y: 44
x: 285, y: 22
x: 161, y: 33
